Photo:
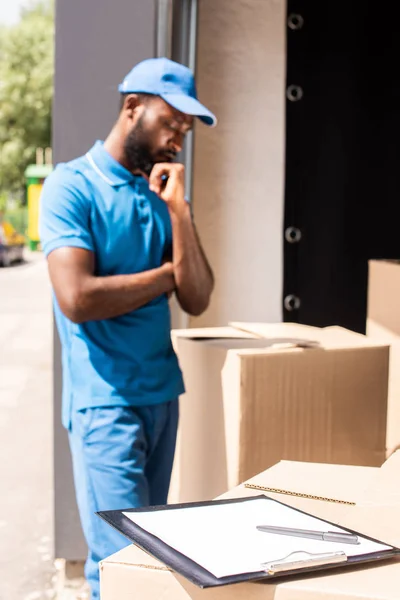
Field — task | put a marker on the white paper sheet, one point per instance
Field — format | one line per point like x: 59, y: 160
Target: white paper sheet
x: 223, y: 538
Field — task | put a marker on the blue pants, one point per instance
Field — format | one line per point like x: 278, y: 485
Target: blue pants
x: 122, y: 458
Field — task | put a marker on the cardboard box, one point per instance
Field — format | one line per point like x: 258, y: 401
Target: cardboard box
x: 384, y: 294
x: 383, y: 326
x: 255, y: 396
x: 131, y: 573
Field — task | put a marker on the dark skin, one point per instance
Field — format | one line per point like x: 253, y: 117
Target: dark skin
x: 83, y: 296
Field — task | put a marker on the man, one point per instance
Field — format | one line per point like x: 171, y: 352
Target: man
x: 119, y: 239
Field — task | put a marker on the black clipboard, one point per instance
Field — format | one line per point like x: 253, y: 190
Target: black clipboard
x: 198, y: 575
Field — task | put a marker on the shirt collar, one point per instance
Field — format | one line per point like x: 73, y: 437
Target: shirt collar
x: 109, y: 169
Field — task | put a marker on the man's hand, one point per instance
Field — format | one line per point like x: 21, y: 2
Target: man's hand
x: 171, y: 190
x: 193, y: 276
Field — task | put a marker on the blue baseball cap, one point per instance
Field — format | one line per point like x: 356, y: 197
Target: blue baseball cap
x: 173, y: 82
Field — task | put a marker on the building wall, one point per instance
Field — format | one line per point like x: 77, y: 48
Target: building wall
x: 97, y: 43
x: 238, y: 192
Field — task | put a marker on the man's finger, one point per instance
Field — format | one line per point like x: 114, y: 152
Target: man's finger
x: 155, y: 180
x: 159, y: 177
x: 166, y: 179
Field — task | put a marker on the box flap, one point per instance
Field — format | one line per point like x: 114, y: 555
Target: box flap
x: 212, y: 333
x: 327, y: 337
x: 232, y: 338
x: 209, y: 333
x: 281, y: 335
x: 325, y: 490
x: 316, y: 480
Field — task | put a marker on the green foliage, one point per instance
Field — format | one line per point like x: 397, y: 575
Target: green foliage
x: 26, y: 91
x: 18, y: 217
x: 3, y: 203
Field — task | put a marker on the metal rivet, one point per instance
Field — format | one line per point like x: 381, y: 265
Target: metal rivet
x: 292, y: 235
x: 295, y: 21
x: 294, y: 93
x: 291, y: 302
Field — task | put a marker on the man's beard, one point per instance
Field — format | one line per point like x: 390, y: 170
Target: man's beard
x: 138, y: 154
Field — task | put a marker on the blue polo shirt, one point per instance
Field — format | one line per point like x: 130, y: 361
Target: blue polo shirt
x: 93, y: 202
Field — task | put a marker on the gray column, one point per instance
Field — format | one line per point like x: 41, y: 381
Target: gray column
x: 97, y: 43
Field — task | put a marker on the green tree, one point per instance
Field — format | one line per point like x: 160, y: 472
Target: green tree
x: 26, y: 91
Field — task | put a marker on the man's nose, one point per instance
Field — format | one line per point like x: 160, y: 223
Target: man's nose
x: 177, y: 142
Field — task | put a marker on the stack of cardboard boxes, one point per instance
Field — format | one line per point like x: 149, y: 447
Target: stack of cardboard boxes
x: 308, y: 399
x: 258, y: 393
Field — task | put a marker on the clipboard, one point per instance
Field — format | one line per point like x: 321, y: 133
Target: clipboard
x: 298, y: 562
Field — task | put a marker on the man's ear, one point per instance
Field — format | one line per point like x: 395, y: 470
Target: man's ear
x: 132, y: 106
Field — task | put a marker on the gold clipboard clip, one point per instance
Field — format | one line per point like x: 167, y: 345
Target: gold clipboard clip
x: 303, y: 560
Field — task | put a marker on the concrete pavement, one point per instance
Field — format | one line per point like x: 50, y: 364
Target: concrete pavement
x: 26, y: 505
x: 27, y: 567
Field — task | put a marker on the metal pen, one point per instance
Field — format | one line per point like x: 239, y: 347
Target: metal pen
x: 326, y: 536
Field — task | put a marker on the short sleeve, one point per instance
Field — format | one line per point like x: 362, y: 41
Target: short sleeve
x: 64, y: 218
